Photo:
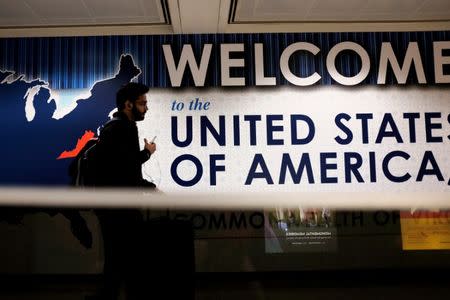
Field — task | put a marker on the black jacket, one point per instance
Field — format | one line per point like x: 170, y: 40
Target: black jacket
x: 120, y: 158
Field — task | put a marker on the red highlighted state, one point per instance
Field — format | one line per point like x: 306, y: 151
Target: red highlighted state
x: 80, y: 144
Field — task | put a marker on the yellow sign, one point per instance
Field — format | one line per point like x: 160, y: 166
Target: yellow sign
x: 425, y: 230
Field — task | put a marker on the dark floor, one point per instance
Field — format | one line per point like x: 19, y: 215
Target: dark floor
x: 368, y: 284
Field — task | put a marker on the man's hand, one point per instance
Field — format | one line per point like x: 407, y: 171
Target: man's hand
x: 150, y: 146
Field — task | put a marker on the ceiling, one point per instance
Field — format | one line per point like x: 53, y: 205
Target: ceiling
x: 79, y: 12
x: 258, y: 11
x: 213, y: 16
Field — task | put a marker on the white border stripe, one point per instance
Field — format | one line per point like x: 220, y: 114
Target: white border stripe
x: 125, y: 198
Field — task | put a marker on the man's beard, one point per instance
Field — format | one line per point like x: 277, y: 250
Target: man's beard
x: 137, y: 115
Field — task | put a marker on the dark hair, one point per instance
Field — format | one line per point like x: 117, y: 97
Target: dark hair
x: 130, y: 91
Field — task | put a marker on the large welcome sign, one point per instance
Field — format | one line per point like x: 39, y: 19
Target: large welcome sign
x: 238, y: 112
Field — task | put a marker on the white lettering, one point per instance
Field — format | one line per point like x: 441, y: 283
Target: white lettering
x: 412, y: 56
x: 331, y: 66
x: 187, y: 57
x: 227, y: 63
x: 439, y: 61
x: 260, y: 79
x: 284, y: 64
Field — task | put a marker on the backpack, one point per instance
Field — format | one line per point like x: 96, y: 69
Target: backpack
x: 83, y: 169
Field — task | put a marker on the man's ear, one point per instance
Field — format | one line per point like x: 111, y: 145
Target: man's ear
x: 128, y: 104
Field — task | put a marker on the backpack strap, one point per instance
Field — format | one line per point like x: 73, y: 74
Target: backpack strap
x: 108, y: 123
x: 111, y: 121
x: 79, y: 181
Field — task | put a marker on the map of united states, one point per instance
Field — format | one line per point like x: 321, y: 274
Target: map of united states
x: 31, y: 148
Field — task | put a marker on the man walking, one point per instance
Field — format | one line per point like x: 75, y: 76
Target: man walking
x: 121, y: 158
x: 119, y: 164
